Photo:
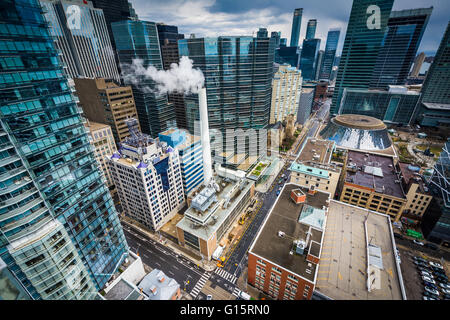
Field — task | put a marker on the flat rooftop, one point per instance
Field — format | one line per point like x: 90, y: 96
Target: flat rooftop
x: 95, y: 126
x: 323, y: 149
x: 284, y: 217
x: 384, y: 174
x: 123, y: 290
x: 358, y: 121
x: 343, y: 264
x: 409, y: 176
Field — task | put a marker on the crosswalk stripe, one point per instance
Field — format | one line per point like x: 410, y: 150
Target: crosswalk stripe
x: 199, y: 285
x: 226, y: 275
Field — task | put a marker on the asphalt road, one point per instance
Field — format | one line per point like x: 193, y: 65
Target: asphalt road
x: 157, y: 256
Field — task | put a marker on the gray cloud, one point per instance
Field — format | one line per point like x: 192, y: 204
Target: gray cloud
x: 237, y: 17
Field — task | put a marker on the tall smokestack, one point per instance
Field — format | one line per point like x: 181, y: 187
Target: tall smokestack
x: 204, y: 131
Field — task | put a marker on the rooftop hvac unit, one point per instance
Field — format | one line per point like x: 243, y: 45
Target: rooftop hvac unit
x: 300, y: 246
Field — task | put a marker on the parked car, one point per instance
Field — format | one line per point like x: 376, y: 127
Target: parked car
x: 427, y: 294
x: 429, y: 298
x: 426, y: 269
x: 437, y: 269
x: 437, y: 265
x: 398, y: 236
x: 432, y: 246
x: 445, y: 291
x: 426, y: 274
x: 430, y: 285
x: 444, y: 285
x: 446, y: 296
x: 428, y: 279
x: 209, y: 297
x: 420, y: 243
x: 421, y: 264
x: 432, y: 291
x: 441, y: 279
x: 420, y: 259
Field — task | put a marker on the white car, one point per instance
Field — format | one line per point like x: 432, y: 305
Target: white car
x: 445, y: 291
x: 428, y: 279
x: 444, y: 285
x: 432, y: 291
x: 418, y: 242
x: 426, y: 274
x: 435, y: 264
x: 428, y: 298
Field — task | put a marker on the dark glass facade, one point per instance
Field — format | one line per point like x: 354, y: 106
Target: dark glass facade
x: 289, y: 55
x: 238, y: 79
x: 311, y: 29
x: 308, y: 59
x: 51, y: 187
x: 136, y: 39
x: 384, y: 105
x: 361, y: 48
x: 296, y: 25
x: 399, y: 47
x: 329, y: 54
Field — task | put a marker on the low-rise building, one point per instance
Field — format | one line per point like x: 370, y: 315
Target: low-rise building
x: 313, y: 167
x: 147, y: 176
x: 191, y: 160
x: 213, y: 210
x: 359, y: 258
x: 158, y: 286
x: 103, y: 142
x: 418, y: 195
x: 283, y: 259
x: 372, y: 181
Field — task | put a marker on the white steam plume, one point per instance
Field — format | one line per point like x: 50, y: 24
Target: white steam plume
x: 180, y: 78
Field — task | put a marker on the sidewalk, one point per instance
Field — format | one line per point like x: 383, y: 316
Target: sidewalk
x: 207, y: 265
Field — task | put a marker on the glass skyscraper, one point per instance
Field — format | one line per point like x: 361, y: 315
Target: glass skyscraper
x: 399, y: 47
x: 60, y: 235
x: 330, y: 53
x: 82, y: 37
x: 311, y: 29
x: 238, y: 79
x: 436, y: 221
x: 136, y: 39
x: 296, y: 25
x: 361, y: 47
x: 308, y: 59
x: 435, y: 106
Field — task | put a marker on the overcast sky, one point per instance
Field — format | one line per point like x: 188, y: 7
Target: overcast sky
x: 243, y: 17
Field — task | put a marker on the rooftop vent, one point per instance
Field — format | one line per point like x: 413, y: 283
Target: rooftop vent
x: 281, y: 234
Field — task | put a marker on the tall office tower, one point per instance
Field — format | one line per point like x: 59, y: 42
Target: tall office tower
x: 319, y: 63
x: 59, y: 231
x: 133, y: 13
x: 399, y: 47
x: 289, y: 55
x: 286, y: 89
x: 277, y: 37
x: 191, y: 159
x: 329, y: 54
x: 435, y: 102
x: 435, y: 223
x: 136, y: 39
x: 262, y: 33
x: 308, y: 59
x: 311, y: 29
x: 113, y: 11
x: 83, y: 40
x: 104, y: 101
x: 365, y: 33
x: 283, y: 42
x: 418, y: 62
x: 296, y: 25
x: 148, y: 179
x: 102, y: 140
x: 168, y: 42
x: 305, y: 105
x: 238, y: 79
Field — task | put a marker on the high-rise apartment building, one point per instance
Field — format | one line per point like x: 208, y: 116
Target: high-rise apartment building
x: 286, y: 90
x: 102, y: 140
x: 329, y: 54
x: 362, y: 44
x: 296, y: 25
x: 262, y: 33
x: 168, y: 41
x: 148, y: 178
x: 60, y: 234
x: 106, y: 102
x: 318, y: 64
x: 311, y: 29
x: 191, y: 159
x: 81, y: 35
x: 308, y: 59
x: 238, y: 80
x: 436, y: 221
x: 418, y: 62
x: 434, y: 109
x: 136, y: 39
x: 399, y: 47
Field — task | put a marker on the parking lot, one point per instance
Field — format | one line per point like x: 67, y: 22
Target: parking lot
x: 412, y: 277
